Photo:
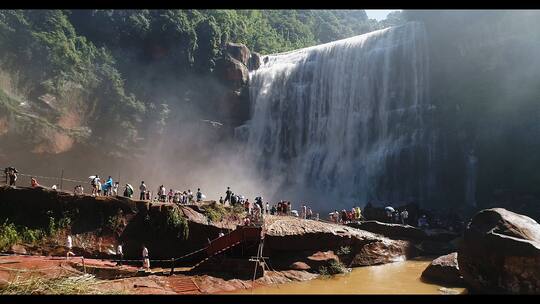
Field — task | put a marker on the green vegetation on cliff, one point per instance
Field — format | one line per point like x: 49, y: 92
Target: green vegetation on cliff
x: 130, y: 68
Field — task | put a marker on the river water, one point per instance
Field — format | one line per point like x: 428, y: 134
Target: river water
x: 395, y: 278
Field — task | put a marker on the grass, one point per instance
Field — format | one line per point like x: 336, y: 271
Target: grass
x: 216, y: 212
x: 72, y: 285
x: 11, y: 234
x: 335, y: 267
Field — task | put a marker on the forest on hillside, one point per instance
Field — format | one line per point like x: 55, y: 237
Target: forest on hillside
x: 130, y: 67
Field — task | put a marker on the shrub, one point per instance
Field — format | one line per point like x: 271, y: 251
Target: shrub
x: 336, y: 267
x: 178, y: 222
x: 344, y: 250
x: 8, y: 235
x: 115, y: 223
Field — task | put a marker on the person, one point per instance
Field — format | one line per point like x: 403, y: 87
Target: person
x: 199, y: 195
x: 12, y: 176
x: 115, y: 188
x: 69, y: 244
x: 404, y: 216
x: 422, y: 222
x: 246, y: 207
x: 228, y: 195
x: 289, y: 208
x: 359, y: 213
x: 256, y: 211
x: 53, y: 187
x: 98, y: 187
x: 247, y: 222
x: 389, y: 215
x: 34, y: 183
x: 107, y: 187
x: 221, y: 201
x: 190, y: 196
x: 142, y: 189
x: 162, y: 193
x: 146, y: 258
x: 279, y: 208
x: 120, y: 253
x: 309, y: 213
x: 127, y: 191
x: 148, y: 195
x: 267, y: 209
x: 304, y: 211
x: 170, y: 195
x: 396, y: 217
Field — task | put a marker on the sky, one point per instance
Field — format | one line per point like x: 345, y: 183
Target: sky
x: 378, y: 14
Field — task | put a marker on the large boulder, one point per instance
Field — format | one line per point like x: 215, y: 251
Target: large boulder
x: 500, y: 253
x: 291, y: 237
x: 254, y: 61
x: 232, y: 72
x: 444, y: 270
x: 239, y: 52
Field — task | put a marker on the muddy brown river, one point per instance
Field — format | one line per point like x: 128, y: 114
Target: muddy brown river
x: 395, y: 278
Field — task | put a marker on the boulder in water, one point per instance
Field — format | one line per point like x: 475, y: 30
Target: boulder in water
x: 500, y: 253
x: 444, y: 270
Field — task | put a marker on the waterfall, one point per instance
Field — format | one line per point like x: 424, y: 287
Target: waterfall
x: 344, y: 122
x: 471, y: 168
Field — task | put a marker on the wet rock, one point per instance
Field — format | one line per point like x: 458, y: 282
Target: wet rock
x: 232, y: 72
x: 445, y: 270
x: 287, y: 236
x: 395, y: 231
x: 382, y: 252
x: 254, y: 61
x: 320, y: 259
x: 299, y: 266
x: 239, y: 52
x: 500, y: 253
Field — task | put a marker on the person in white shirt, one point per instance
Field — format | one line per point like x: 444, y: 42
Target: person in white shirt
x: 69, y: 245
x: 146, y: 259
x: 115, y: 188
x: 120, y: 253
x: 142, y: 188
x: 267, y: 208
x: 404, y: 217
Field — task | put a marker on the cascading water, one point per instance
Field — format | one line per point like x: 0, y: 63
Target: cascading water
x: 345, y: 122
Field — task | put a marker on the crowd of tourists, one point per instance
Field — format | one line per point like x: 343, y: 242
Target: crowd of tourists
x: 346, y: 217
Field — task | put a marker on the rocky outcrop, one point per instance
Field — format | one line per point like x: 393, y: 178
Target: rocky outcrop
x: 239, y: 52
x: 254, y: 61
x: 428, y: 242
x: 297, y: 239
x: 444, y: 270
x: 394, y: 231
x: 500, y: 253
x: 232, y: 72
